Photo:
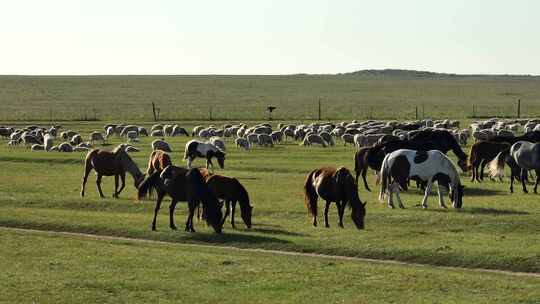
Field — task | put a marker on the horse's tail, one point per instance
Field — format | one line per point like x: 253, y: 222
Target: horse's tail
x: 384, y: 177
x: 88, y: 160
x: 496, y: 166
x: 149, y: 185
x: 150, y: 169
x: 310, y: 195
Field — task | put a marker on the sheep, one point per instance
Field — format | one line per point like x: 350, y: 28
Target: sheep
x: 132, y: 136
x: 327, y: 138
x: 218, y: 142
x: 37, y: 147
x: 265, y: 140
x: 65, y: 147
x: 277, y: 136
x: 95, y: 136
x: 76, y: 139
x: 177, y: 131
x: 30, y: 139
x: 109, y: 132
x: 156, y: 127
x: 48, y: 142
x: 313, y: 139
x: 242, y: 143
x: 6, y: 132
x: 157, y: 133
x: 142, y: 131
x: 129, y: 128
x: 167, y: 129
x: 160, y: 144
x: 347, y: 138
x: 130, y: 148
x: 80, y: 149
x: 253, y: 139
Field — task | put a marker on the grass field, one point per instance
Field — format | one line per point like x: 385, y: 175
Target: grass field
x: 361, y: 96
x: 40, y: 190
x: 73, y: 269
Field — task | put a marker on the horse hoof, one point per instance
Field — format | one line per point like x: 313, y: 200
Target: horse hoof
x: 424, y: 206
x: 173, y: 227
x: 154, y: 229
x: 391, y: 206
x: 402, y: 207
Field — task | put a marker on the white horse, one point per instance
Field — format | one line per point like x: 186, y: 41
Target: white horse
x: 429, y: 166
x: 195, y: 148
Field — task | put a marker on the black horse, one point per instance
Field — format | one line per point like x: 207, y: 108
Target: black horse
x: 428, y: 139
x: 183, y: 185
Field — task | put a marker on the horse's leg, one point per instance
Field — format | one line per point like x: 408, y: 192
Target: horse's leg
x: 398, y: 196
x: 483, y: 165
x: 98, y: 183
x: 189, y: 160
x: 523, y: 180
x: 156, y: 210
x: 122, y: 183
x: 85, y: 178
x: 326, y: 214
x: 512, y: 176
x: 233, y: 209
x: 391, y: 190
x: 474, y: 172
x: 441, y: 198
x: 341, y: 211
x: 364, y: 173
x: 172, y: 206
x: 115, y: 195
x: 189, y: 223
x: 537, y: 180
x: 428, y: 191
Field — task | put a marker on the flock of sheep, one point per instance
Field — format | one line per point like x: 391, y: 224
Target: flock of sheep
x: 359, y: 134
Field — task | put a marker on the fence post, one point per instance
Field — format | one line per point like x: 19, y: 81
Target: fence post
x: 154, y: 111
x: 518, y: 108
x: 319, y: 116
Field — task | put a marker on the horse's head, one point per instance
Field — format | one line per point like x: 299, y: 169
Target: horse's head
x: 220, y: 155
x: 358, y: 214
x: 246, y: 215
x: 462, y: 163
x: 456, y: 195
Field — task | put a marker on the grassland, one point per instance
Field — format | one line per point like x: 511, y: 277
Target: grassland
x: 40, y: 268
x: 246, y: 97
x: 494, y: 230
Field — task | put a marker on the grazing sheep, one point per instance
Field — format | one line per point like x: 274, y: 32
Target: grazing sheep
x: 53, y: 131
x: 242, y: 143
x: 288, y: 133
x: 85, y: 145
x: 37, y: 147
x: 347, y: 139
x: 177, y: 131
x: 76, y: 139
x: 327, y: 138
x: 313, y: 139
x: 48, y: 142
x: 168, y: 130
x: 6, y: 132
x: 162, y: 145
x: 95, y: 136
x: 129, y: 128
x: 65, y: 147
x: 156, y: 127
x: 109, y: 132
x: 130, y: 148
x: 196, y: 130
x: 30, y: 139
x: 277, y: 136
x: 218, y: 142
x: 265, y: 140
x: 253, y: 139
x: 132, y: 136
x: 80, y: 149
x: 157, y: 133
x: 142, y: 131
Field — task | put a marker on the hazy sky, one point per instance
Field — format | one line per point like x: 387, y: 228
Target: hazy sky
x: 268, y: 37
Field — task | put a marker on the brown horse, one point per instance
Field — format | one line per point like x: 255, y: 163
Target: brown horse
x: 231, y: 191
x: 334, y: 185
x: 158, y: 161
x: 362, y: 163
x: 482, y: 152
x: 186, y: 185
x: 111, y: 163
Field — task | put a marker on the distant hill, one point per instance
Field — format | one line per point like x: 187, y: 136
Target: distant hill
x: 420, y: 74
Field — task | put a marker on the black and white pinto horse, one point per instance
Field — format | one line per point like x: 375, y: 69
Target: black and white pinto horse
x: 195, y: 148
x: 427, y: 166
x: 527, y: 157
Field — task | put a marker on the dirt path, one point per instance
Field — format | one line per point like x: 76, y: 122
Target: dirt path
x: 268, y: 251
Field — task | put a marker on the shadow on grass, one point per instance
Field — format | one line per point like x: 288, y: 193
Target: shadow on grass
x: 276, y: 231
x: 469, y: 191
x: 227, y: 237
x: 477, y: 210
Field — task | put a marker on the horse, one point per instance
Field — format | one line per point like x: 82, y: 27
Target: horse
x: 334, y: 185
x: 429, y: 166
x: 231, y: 191
x: 525, y: 155
x: 108, y: 163
x: 361, y: 165
x: 186, y: 185
x: 158, y: 161
x: 195, y: 148
x: 481, y: 153
x: 442, y: 140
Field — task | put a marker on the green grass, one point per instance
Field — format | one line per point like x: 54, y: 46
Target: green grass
x: 38, y: 268
x: 246, y: 97
x: 494, y: 230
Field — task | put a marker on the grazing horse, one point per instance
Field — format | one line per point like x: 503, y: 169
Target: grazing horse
x: 482, y: 152
x: 158, y: 161
x: 429, y: 166
x: 525, y: 155
x: 334, y: 185
x: 442, y: 140
x: 231, y: 191
x: 362, y: 163
x: 186, y: 185
x: 195, y: 148
x: 108, y: 163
